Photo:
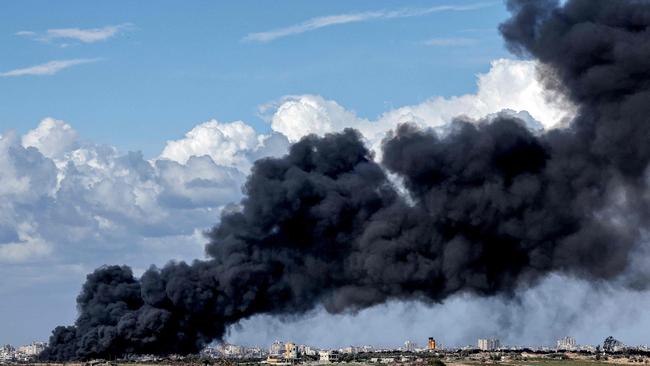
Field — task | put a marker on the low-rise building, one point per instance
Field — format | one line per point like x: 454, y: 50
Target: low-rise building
x: 328, y: 356
x: 382, y: 360
x: 307, y: 350
x: 277, y: 360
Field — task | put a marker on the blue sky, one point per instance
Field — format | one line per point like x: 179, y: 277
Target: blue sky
x: 175, y: 66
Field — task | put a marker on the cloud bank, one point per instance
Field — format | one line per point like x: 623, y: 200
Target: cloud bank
x: 509, y: 85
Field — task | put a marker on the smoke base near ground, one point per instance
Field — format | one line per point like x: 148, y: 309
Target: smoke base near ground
x: 492, y: 207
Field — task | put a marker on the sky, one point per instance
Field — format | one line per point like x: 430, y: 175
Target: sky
x: 127, y: 127
x: 168, y: 68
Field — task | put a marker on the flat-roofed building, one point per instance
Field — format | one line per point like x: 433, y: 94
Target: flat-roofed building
x: 489, y: 344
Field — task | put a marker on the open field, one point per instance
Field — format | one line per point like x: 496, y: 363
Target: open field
x: 541, y: 361
x: 536, y: 363
x: 475, y: 360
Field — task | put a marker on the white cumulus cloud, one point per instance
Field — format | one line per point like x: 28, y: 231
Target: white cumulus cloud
x: 29, y: 245
x: 52, y: 138
x: 298, y: 116
x: 64, y: 199
x: 508, y: 85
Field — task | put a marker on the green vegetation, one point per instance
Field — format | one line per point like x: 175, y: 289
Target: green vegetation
x: 435, y: 362
x: 558, y: 362
x: 518, y: 360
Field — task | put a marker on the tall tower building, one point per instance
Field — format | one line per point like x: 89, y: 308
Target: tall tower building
x: 276, y: 348
x: 409, y: 346
x: 566, y: 343
x: 431, y: 344
x: 290, y: 350
x: 491, y: 344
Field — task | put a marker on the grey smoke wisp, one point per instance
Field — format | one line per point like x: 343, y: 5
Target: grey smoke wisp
x: 493, y: 207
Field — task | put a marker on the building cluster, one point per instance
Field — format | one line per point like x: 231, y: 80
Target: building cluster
x: 410, y: 346
x: 227, y: 350
x: 289, y: 353
x: 489, y: 344
x: 357, y: 349
x: 567, y: 344
x: 431, y: 345
x: 25, y: 353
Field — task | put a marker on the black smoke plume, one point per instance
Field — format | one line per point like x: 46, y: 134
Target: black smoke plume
x: 491, y: 207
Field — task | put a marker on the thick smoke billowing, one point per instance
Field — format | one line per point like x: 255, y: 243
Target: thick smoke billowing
x: 491, y: 207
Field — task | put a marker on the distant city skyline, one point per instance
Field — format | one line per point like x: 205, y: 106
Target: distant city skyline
x: 281, y: 350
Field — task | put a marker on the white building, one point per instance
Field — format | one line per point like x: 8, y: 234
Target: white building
x: 307, y: 350
x: 366, y: 349
x: 382, y: 360
x: 7, y: 353
x: 566, y: 343
x: 490, y: 344
x: 22, y: 353
x: 232, y: 350
x: 290, y: 351
x: 277, y: 361
x: 277, y: 348
x: 409, y: 346
x: 328, y: 356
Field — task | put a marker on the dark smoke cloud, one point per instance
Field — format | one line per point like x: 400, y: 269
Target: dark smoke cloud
x: 492, y: 207
x: 596, y: 51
